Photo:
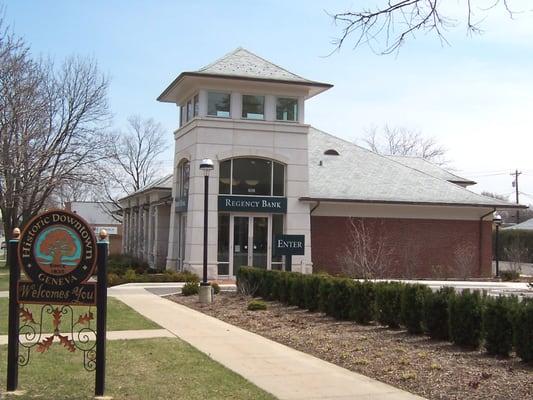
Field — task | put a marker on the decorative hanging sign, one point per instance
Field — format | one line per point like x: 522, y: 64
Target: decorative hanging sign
x: 57, y: 252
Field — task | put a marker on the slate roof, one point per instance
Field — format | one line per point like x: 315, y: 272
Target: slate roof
x: 360, y: 175
x: 430, y: 168
x: 523, y: 226
x: 243, y: 63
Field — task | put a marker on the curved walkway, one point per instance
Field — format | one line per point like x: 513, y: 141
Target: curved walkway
x: 286, y: 373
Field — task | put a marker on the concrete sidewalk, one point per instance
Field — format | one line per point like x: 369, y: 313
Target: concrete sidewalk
x: 284, y: 372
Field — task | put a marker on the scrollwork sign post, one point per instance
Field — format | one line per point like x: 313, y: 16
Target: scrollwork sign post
x: 12, y: 347
x: 101, y: 312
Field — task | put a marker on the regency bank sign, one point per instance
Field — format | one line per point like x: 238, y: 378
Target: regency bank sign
x: 253, y: 204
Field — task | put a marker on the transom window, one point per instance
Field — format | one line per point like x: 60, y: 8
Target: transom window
x: 253, y: 107
x: 252, y: 177
x: 286, y: 109
x: 218, y: 104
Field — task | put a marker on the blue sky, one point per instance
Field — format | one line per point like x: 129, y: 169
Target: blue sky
x: 474, y: 96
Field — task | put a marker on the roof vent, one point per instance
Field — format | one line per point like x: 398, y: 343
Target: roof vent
x: 331, y: 152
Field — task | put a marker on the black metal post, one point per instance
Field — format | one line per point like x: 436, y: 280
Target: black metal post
x: 496, y: 251
x: 206, y: 205
x: 288, y: 263
x: 101, y: 317
x: 13, y: 343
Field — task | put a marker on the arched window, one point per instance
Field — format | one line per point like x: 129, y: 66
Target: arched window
x: 252, y: 177
x: 183, y: 179
x: 331, y: 152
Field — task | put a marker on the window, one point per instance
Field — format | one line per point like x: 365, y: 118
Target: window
x: 183, y: 179
x: 331, y: 152
x: 253, y: 107
x: 182, y: 115
x: 223, y: 244
x: 189, y: 110
x: 252, y: 177
x: 218, y: 104
x: 196, y: 106
x: 286, y: 109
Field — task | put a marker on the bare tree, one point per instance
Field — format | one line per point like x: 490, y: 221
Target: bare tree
x: 135, y: 154
x: 390, y: 24
x: 404, y: 142
x: 464, y: 255
x: 367, y: 254
x: 51, y: 123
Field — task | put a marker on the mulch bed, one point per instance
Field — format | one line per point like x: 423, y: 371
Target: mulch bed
x: 432, y: 369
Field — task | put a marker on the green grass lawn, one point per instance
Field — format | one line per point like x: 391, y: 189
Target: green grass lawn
x: 120, y: 317
x: 136, y: 369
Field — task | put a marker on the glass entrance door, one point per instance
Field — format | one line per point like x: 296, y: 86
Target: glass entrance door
x: 250, y: 242
x: 240, y: 243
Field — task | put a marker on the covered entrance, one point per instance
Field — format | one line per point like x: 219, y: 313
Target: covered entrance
x: 246, y: 240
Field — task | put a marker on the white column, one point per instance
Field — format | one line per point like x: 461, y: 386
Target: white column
x: 125, y: 227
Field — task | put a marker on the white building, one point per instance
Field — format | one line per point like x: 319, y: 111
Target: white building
x: 274, y: 174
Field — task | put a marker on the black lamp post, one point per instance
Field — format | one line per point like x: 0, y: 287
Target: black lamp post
x: 206, y: 166
x: 497, y: 220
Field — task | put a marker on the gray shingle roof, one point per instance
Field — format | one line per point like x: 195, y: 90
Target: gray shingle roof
x: 357, y: 174
x: 523, y: 226
x: 429, y: 168
x: 163, y: 183
x: 243, y: 63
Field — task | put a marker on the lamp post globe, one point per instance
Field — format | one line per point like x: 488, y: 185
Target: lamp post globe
x: 206, y: 165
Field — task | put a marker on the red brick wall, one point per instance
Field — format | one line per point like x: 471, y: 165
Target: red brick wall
x: 416, y: 248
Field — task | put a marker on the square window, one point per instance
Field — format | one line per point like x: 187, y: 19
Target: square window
x: 253, y: 107
x: 218, y: 104
x: 286, y: 109
x: 189, y: 110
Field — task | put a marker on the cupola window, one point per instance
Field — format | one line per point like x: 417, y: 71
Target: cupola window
x: 218, y: 104
x: 253, y: 107
x: 286, y: 109
x: 331, y: 152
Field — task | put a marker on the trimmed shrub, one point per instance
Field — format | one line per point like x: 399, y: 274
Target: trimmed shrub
x: 284, y: 287
x: 130, y: 275
x: 466, y: 319
x: 339, y: 303
x: 436, y: 313
x: 256, y: 305
x: 498, y: 316
x: 388, y: 303
x: 120, y: 263
x: 412, y: 307
x: 297, y: 290
x: 311, y: 285
x: 324, y: 289
x: 216, y: 288
x: 523, y: 330
x: 190, y: 288
x: 362, y: 302
x: 267, y: 281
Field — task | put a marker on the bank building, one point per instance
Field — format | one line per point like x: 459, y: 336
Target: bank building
x: 274, y: 174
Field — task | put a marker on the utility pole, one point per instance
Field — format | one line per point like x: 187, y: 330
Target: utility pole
x: 515, y: 184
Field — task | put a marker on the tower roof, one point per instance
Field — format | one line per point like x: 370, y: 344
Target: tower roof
x: 243, y: 65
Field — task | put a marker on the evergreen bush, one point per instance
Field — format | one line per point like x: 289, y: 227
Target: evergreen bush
x: 311, y: 285
x: 324, y: 290
x: 498, y: 316
x: 436, y: 313
x: 388, y: 303
x: 190, y: 288
x: 297, y: 290
x: 523, y: 330
x: 466, y: 319
x: 412, y: 307
x: 256, y: 305
x: 339, y: 299
x: 362, y: 302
